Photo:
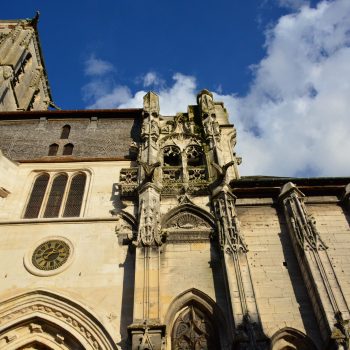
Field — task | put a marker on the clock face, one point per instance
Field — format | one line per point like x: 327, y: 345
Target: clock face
x: 50, y: 255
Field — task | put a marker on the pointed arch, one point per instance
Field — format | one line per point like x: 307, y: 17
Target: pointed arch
x: 49, y: 319
x: 188, y: 223
x: 190, y: 208
x: 290, y: 338
x: 206, y: 306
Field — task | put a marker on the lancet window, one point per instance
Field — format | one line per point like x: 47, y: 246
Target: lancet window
x: 53, y: 149
x: 65, y: 132
x: 68, y: 149
x: 56, y: 195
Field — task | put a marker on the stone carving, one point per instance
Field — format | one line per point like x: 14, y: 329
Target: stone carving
x: 206, y: 103
x: 128, y: 181
x: 230, y: 238
x: 222, y: 178
x: 150, y: 130
x: 193, y: 330
x: 172, y: 174
x: 187, y: 221
x: 182, y: 125
x: 194, y: 153
x: 197, y: 174
x: 146, y: 343
x: 303, y: 224
x: 149, y: 170
x: 341, y: 332
x: 124, y: 228
x: 149, y: 224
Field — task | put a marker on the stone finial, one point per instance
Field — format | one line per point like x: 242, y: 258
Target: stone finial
x: 151, y: 103
x: 205, y: 102
x: 288, y: 188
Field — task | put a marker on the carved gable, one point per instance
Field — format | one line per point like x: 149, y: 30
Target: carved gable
x: 186, y: 226
x: 187, y: 221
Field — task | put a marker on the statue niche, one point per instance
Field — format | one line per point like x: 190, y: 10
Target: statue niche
x: 193, y: 330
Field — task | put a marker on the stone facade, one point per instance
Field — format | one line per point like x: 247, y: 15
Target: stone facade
x: 127, y: 229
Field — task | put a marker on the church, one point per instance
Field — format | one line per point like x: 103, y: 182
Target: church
x: 130, y: 229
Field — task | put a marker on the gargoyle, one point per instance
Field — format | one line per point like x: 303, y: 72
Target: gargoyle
x: 222, y: 172
x: 149, y: 170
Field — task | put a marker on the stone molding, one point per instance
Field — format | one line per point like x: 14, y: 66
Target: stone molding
x: 74, y: 318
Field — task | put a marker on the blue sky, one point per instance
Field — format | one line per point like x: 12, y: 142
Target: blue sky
x: 279, y: 65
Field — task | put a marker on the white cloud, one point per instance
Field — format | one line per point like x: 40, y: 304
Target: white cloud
x: 97, y: 67
x: 152, y: 79
x: 295, y: 119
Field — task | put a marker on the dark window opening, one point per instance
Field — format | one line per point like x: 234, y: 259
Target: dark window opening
x: 36, y: 197
x: 68, y: 149
x: 75, y: 196
x: 65, y: 132
x: 56, y: 195
x: 53, y: 149
x: 194, y: 156
x: 172, y: 156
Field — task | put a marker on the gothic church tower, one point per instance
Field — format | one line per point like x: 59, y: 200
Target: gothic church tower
x: 23, y: 80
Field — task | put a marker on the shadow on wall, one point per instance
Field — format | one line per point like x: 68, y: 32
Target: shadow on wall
x: 127, y: 309
x: 300, y: 292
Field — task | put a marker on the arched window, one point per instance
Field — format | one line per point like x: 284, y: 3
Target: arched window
x: 53, y: 149
x: 68, y: 149
x: 62, y: 196
x: 65, y: 132
x: 289, y: 339
x: 172, y: 156
x: 36, y: 196
x: 194, y: 155
x: 75, y: 196
x: 194, y: 330
x: 55, y: 197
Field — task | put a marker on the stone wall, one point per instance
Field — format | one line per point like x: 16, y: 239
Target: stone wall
x: 30, y: 139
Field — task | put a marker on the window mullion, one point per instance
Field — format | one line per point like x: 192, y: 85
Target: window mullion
x: 65, y: 194
x: 46, y: 196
